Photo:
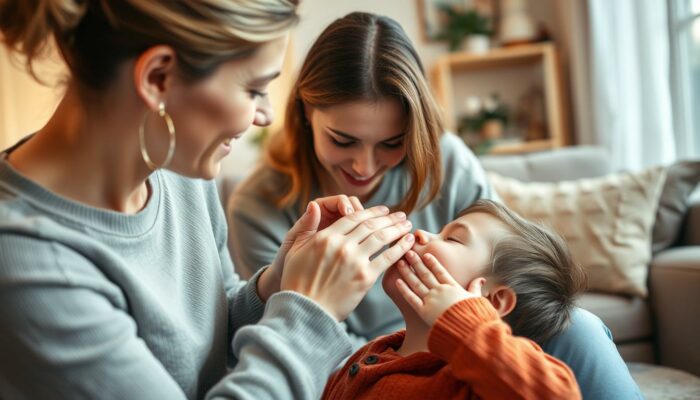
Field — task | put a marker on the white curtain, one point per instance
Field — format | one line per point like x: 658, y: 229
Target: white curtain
x: 620, y: 65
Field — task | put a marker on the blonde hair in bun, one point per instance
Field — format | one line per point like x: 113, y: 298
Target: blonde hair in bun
x: 96, y: 36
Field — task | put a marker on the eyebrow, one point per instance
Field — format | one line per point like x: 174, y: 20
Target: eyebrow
x: 351, y: 137
x: 261, y: 80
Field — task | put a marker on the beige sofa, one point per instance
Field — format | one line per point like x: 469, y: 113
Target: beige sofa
x: 663, y: 328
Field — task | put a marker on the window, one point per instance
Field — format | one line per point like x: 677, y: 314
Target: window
x: 684, y: 23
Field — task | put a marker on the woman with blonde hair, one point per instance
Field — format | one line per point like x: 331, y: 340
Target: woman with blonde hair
x: 361, y: 122
x: 115, y: 278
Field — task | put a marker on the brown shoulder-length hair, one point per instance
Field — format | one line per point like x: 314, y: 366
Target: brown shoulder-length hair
x: 360, y: 57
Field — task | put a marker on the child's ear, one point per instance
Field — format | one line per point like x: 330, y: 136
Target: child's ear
x: 502, y: 298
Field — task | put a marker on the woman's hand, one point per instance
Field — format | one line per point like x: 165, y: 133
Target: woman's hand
x: 429, y: 289
x: 333, y: 266
x: 332, y: 208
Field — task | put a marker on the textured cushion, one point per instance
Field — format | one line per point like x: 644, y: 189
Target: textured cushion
x: 606, y: 221
x: 681, y: 179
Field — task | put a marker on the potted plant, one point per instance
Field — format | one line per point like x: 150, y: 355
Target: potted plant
x: 487, y: 119
x: 469, y: 25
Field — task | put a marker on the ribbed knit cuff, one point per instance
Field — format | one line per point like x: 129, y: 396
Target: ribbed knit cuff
x: 457, y: 322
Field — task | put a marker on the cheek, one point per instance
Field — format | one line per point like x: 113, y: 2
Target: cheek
x: 392, y: 158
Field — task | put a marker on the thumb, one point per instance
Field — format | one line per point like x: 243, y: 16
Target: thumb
x: 308, y: 223
x: 475, y: 286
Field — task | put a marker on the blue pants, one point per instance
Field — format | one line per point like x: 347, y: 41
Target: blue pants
x: 587, y: 348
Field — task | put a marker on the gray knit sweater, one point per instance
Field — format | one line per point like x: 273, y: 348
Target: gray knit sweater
x: 254, y: 240
x: 98, y: 304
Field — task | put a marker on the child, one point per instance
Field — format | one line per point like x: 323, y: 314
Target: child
x: 455, y: 344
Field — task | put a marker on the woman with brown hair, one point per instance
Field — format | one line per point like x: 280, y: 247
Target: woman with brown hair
x: 361, y: 122
x: 115, y: 277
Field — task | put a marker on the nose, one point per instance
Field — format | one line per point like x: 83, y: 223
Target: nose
x: 364, y: 163
x: 263, y: 112
x: 422, y: 238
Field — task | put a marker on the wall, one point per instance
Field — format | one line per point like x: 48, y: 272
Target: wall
x: 26, y: 105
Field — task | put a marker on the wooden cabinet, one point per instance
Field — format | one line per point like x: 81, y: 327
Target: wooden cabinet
x: 510, y: 72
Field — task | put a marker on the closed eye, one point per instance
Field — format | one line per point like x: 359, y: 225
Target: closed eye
x: 340, y: 143
x: 254, y: 94
x: 394, y: 145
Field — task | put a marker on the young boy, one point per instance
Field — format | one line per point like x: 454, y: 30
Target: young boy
x: 455, y: 344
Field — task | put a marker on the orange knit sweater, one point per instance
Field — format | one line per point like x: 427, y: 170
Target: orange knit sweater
x: 473, y: 355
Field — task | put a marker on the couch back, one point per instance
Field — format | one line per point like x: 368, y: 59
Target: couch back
x: 568, y: 163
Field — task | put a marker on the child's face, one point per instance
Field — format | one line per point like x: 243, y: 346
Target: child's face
x: 463, y: 246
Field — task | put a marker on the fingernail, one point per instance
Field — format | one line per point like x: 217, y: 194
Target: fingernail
x: 308, y: 207
x: 409, y: 238
x: 384, y: 209
x: 400, y: 215
x: 349, y: 211
x: 406, y: 223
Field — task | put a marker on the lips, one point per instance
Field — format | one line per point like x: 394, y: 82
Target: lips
x: 356, y: 181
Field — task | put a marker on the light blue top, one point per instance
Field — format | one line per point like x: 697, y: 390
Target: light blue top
x: 98, y: 304
x: 258, y: 226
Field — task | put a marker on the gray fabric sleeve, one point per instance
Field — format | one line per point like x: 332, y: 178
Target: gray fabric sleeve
x: 67, y: 340
x: 465, y: 178
x: 256, y: 232
x: 290, y: 354
x: 73, y: 339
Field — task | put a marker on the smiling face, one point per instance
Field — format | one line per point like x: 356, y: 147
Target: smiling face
x: 357, y: 143
x: 208, y: 114
x: 464, y: 247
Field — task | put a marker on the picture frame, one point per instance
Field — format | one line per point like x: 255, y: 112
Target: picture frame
x: 432, y: 18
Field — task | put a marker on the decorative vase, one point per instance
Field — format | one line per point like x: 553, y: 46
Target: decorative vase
x: 476, y: 44
x: 516, y: 25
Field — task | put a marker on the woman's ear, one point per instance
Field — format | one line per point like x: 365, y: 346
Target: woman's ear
x: 502, y: 298
x: 153, y: 72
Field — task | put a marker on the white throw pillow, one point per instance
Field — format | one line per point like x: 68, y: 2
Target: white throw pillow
x: 606, y: 221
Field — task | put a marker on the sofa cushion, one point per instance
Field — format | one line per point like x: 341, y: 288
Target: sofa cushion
x: 681, y: 179
x: 606, y: 221
x: 567, y: 163
x: 629, y: 318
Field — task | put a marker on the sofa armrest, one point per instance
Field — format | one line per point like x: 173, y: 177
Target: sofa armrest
x: 691, y: 228
x: 674, y: 285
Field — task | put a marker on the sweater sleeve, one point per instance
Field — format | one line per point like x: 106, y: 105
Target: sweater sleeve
x: 481, y: 350
x: 72, y: 338
x: 256, y: 231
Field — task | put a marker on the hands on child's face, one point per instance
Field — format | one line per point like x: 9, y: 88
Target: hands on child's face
x: 429, y: 289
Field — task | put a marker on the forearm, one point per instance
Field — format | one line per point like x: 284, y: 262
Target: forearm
x: 289, y: 354
x: 504, y: 366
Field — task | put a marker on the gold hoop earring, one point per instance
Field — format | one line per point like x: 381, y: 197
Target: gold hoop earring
x: 171, y: 133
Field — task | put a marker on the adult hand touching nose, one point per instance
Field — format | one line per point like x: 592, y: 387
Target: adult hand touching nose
x: 332, y: 208
x: 333, y: 266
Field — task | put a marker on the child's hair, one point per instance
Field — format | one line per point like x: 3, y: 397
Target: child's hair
x: 535, y: 262
x: 360, y: 57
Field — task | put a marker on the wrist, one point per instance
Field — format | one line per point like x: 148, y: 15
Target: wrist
x: 268, y: 284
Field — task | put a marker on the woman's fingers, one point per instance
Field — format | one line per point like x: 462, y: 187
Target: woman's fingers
x: 424, y: 274
x: 393, y: 254
x: 438, y: 270
x: 356, y: 204
x: 373, y: 225
x: 412, y: 280
x: 349, y: 222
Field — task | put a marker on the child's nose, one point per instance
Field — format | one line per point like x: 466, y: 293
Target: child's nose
x: 422, y: 237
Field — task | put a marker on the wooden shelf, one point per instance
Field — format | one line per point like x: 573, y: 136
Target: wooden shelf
x: 542, y: 57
